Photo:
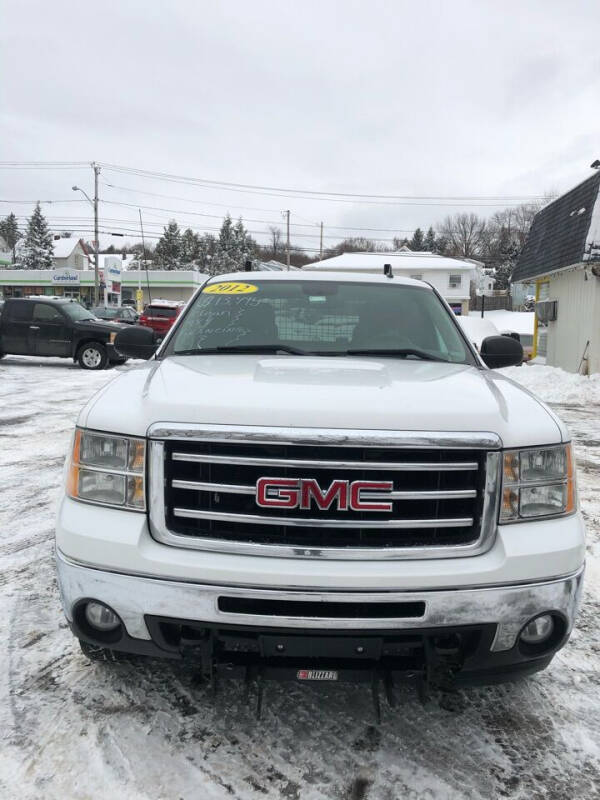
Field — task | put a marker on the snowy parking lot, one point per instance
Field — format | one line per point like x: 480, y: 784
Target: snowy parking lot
x: 75, y: 729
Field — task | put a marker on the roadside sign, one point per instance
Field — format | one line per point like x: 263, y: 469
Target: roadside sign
x: 139, y: 300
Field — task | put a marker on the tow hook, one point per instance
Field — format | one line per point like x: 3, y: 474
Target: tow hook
x: 443, y: 659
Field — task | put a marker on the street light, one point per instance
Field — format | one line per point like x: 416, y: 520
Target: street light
x: 94, y: 204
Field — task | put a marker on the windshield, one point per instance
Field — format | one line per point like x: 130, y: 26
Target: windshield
x: 322, y: 318
x: 106, y: 313
x: 76, y: 312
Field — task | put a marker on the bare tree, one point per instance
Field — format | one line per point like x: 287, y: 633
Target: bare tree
x: 464, y: 234
x: 276, y: 246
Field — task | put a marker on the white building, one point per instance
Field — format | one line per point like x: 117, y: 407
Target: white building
x: 452, y: 277
x: 561, y: 259
x: 70, y: 253
x: 79, y: 284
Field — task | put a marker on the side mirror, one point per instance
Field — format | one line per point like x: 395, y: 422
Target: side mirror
x: 501, y: 351
x: 136, y: 341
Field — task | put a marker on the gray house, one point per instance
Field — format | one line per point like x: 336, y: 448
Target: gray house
x: 561, y: 259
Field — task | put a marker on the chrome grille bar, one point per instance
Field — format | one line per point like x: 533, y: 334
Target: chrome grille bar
x: 229, y: 488
x: 256, y: 519
x: 255, y: 461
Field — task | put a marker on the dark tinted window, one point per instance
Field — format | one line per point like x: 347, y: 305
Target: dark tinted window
x: 76, y: 312
x: 45, y: 313
x: 158, y: 311
x: 20, y: 312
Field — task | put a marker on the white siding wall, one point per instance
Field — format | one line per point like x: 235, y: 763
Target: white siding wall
x: 578, y: 321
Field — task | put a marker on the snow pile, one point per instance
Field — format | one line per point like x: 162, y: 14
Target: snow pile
x: 519, y: 321
x: 554, y: 385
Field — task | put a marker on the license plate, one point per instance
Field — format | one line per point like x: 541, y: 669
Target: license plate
x: 317, y: 675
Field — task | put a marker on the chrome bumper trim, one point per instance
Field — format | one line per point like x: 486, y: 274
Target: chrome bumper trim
x: 132, y: 597
x: 478, y: 440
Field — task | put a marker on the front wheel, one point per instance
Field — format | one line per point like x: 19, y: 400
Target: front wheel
x: 92, y: 355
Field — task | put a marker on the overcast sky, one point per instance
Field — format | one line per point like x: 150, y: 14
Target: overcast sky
x: 399, y: 98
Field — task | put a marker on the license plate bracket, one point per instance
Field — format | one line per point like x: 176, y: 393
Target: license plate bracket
x: 360, y: 647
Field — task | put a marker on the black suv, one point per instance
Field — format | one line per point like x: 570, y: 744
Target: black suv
x: 39, y: 327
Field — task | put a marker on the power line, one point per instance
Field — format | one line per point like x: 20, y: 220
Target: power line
x: 305, y: 192
x: 188, y: 199
x: 123, y: 228
x: 43, y: 202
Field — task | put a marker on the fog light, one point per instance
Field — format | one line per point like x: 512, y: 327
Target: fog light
x: 101, y: 617
x: 538, y: 630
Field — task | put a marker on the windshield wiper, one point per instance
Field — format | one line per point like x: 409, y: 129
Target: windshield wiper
x: 401, y: 353
x: 243, y: 348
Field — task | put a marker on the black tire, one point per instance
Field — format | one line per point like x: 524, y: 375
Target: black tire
x: 92, y: 355
x: 96, y: 652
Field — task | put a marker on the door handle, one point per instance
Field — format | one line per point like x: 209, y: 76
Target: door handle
x: 34, y: 327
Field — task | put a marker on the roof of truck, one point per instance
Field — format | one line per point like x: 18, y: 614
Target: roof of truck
x: 318, y: 277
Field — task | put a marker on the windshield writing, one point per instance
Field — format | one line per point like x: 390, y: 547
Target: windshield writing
x: 324, y: 319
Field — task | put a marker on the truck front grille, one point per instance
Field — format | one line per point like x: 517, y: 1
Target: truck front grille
x: 437, y: 497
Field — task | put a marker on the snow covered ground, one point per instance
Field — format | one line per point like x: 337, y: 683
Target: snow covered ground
x: 72, y: 729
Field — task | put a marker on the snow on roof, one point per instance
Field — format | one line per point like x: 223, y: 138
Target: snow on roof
x: 64, y: 247
x: 272, y: 266
x: 405, y: 261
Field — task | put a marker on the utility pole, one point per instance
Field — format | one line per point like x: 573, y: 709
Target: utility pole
x: 96, y: 169
x: 321, y: 245
x: 287, y: 246
x: 145, y: 261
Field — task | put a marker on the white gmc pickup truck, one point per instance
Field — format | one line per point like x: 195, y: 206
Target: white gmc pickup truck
x: 316, y: 477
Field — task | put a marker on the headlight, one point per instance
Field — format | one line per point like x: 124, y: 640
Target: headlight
x: 537, y: 482
x: 108, y: 470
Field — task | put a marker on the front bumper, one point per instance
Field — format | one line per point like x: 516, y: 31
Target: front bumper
x: 113, y: 354
x: 142, y: 602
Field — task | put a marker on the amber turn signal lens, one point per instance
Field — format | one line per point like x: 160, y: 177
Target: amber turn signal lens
x: 137, y: 454
x: 570, y: 481
x: 511, y: 468
x: 73, y: 474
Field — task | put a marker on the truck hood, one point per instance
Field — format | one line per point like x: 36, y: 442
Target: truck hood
x: 99, y: 325
x: 322, y: 392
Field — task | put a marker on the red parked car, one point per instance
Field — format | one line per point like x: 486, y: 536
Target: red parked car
x: 160, y: 315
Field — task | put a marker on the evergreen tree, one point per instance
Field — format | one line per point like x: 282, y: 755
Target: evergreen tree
x: 9, y: 230
x: 416, y: 243
x: 37, y: 249
x: 243, y: 241
x: 233, y: 247
x: 207, y: 247
x: 168, y: 248
x: 190, y: 247
x: 429, y: 243
x: 441, y: 245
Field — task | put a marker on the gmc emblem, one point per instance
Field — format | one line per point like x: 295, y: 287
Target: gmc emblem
x: 303, y: 492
